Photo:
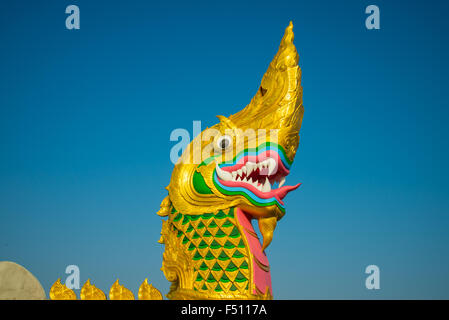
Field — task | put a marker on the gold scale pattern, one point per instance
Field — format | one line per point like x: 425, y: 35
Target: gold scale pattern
x: 215, y: 244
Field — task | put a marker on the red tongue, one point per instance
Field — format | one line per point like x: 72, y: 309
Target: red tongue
x: 282, y: 191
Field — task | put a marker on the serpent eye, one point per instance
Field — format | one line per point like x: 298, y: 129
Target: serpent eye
x: 223, y: 143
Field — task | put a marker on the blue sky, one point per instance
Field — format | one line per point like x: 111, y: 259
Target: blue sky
x: 86, y: 116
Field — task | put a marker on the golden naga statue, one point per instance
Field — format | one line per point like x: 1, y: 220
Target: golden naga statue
x: 211, y: 248
x: 229, y: 175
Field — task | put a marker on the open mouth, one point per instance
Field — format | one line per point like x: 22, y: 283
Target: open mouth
x: 263, y: 174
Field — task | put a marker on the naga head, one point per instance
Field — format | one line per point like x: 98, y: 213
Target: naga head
x: 243, y: 160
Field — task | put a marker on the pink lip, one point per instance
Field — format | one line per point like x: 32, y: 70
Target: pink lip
x: 278, y: 193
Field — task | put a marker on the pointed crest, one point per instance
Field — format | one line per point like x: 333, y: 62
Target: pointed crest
x: 278, y: 101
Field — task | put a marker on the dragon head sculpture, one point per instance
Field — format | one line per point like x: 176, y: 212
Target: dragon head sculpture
x: 231, y: 174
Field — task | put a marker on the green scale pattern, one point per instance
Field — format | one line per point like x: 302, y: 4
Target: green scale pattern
x: 215, y: 244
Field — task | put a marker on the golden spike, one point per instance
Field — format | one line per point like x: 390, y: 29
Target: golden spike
x: 267, y: 295
x: 266, y: 227
x: 91, y: 292
x: 165, y: 207
x: 119, y: 292
x: 59, y: 291
x: 148, y: 292
x: 227, y: 122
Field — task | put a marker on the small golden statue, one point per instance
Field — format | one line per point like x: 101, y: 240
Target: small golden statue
x: 148, y: 292
x: 91, y: 292
x: 60, y: 291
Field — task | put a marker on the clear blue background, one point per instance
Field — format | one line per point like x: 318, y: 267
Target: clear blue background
x: 86, y: 115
